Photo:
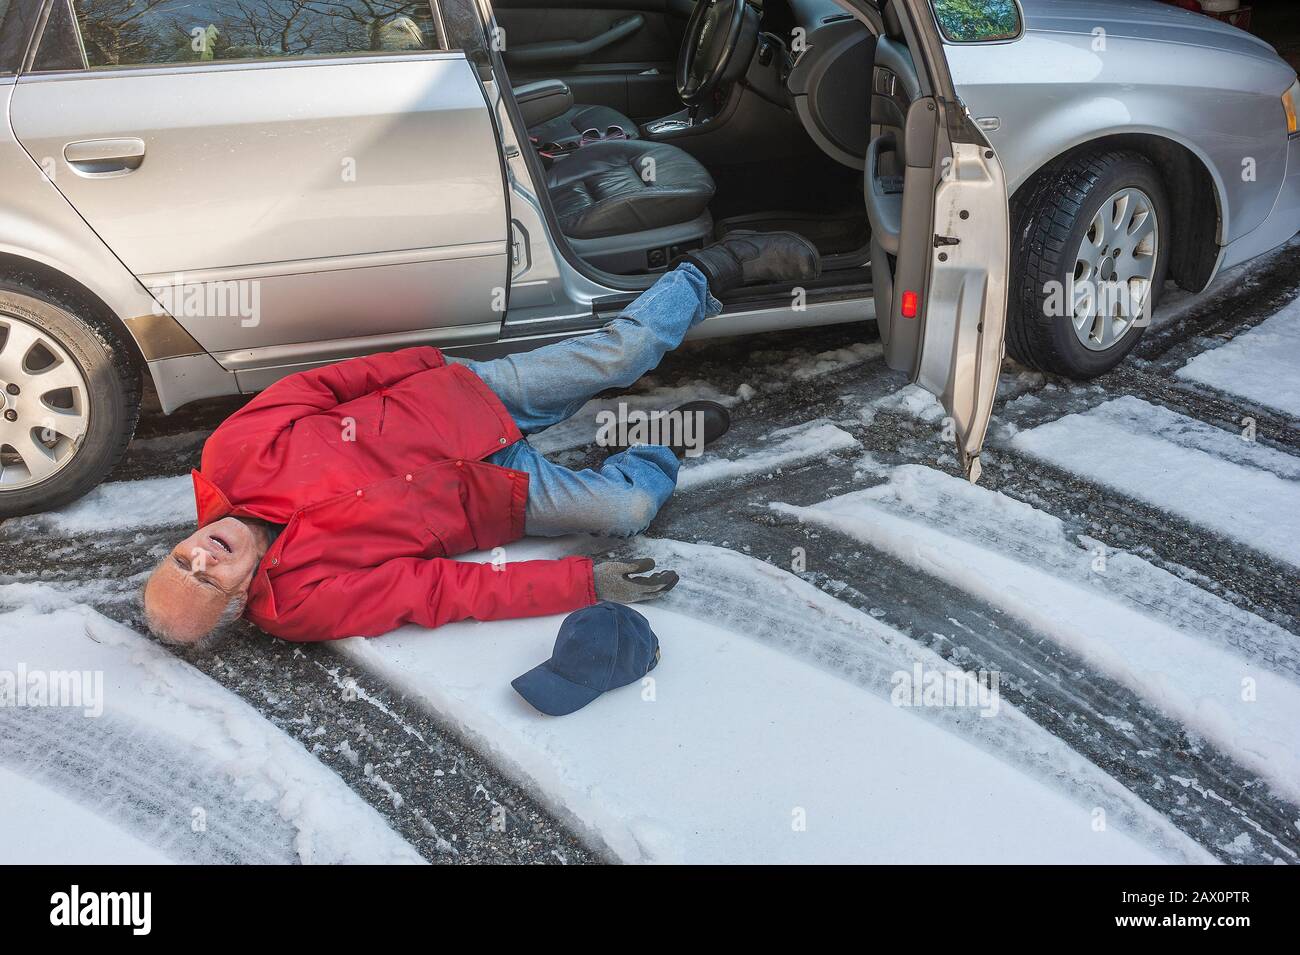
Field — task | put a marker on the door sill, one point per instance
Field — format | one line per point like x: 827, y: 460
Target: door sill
x: 758, y: 297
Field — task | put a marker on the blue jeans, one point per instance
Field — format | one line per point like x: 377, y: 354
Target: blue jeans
x: 545, y: 386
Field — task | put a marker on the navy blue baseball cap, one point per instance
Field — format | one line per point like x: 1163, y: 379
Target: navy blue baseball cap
x: 599, y: 648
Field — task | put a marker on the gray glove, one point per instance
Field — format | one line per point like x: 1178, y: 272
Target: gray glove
x: 614, y: 581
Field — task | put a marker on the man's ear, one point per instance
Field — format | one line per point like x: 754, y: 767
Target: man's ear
x: 149, y: 621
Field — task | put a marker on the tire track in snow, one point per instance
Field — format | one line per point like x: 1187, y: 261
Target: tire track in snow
x: 169, y: 749
x: 1241, y: 491
x: 935, y: 614
x: 1248, y: 579
x: 145, y: 784
x: 1198, y: 401
x: 1021, y: 562
x: 1206, y: 793
x: 1220, y: 775
x: 1258, y: 291
x: 1257, y: 365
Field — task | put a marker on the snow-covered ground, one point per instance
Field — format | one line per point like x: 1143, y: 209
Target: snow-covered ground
x: 1259, y: 364
x: 1091, y: 657
x: 117, y: 505
x: 739, y: 748
x: 1201, y: 473
x: 1161, y: 636
x: 113, y: 750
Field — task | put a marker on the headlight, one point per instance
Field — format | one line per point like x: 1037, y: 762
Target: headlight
x: 1289, y: 100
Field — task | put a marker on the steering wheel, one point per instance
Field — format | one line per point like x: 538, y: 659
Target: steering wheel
x: 713, y: 34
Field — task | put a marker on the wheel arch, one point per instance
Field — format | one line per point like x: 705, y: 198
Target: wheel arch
x: 1197, y: 229
x: 84, y: 328
x: 61, y: 288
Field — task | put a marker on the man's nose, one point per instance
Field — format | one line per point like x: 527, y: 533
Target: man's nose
x: 201, y: 557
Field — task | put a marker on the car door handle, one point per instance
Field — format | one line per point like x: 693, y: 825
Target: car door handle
x: 884, y: 209
x: 102, y: 158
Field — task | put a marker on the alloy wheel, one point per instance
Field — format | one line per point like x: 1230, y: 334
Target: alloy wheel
x: 44, y: 404
x: 1114, y: 268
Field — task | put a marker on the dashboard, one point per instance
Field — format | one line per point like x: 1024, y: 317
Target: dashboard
x: 829, y: 83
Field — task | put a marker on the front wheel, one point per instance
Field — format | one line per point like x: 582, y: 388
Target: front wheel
x: 1089, y: 256
x: 69, y: 399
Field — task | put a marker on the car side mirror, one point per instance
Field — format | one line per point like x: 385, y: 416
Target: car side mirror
x: 978, y: 21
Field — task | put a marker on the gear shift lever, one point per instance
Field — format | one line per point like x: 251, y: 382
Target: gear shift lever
x: 673, y: 124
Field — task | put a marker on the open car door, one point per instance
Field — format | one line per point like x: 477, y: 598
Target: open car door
x: 937, y: 202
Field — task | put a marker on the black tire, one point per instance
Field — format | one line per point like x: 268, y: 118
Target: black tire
x: 1049, y: 219
x: 113, y: 385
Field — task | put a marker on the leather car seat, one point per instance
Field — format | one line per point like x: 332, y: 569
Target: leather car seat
x: 552, y: 117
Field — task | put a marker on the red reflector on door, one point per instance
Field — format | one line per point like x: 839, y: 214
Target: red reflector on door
x: 909, y: 304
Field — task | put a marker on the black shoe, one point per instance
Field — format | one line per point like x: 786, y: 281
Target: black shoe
x: 709, y: 421
x: 744, y: 258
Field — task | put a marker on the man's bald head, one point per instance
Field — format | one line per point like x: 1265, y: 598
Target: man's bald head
x: 203, y: 583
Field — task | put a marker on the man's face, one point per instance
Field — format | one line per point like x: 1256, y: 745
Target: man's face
x: 195, y: 582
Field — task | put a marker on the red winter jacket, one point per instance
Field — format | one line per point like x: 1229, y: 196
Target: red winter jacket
x: 375, y: 466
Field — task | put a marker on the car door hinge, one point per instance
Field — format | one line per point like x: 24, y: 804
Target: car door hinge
x: 942, y: 240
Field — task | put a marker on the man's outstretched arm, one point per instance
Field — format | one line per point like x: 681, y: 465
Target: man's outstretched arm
x: 430, y: 592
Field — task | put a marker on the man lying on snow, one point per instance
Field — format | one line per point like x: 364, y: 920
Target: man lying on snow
x: 329, y: 503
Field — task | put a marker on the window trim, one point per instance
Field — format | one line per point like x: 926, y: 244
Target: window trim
x: 17, y: 46
x: 436, y: 7
x: 38, y: 34
x: 29, y: 63
x: 224, y: 66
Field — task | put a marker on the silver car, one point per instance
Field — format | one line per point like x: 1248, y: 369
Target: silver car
x: 207, y: 195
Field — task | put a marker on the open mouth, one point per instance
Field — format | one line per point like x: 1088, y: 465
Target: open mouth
x: 220, y: 542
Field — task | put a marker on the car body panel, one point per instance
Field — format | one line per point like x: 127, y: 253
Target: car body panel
x: 1282, y: 221
x: 347, y: 197
x: 1141, y: 20
x: 966, y: 309
x: 1217, y: 103
x: 38, y: 224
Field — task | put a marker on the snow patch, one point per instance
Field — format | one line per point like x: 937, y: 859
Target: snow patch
x: 1205, y: 475
x: 42, y: 826
x: 117, y: 506
x: 782, y: 448
x: 176, y: 766
x: 804, y: 367
x: 1259, y: 364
